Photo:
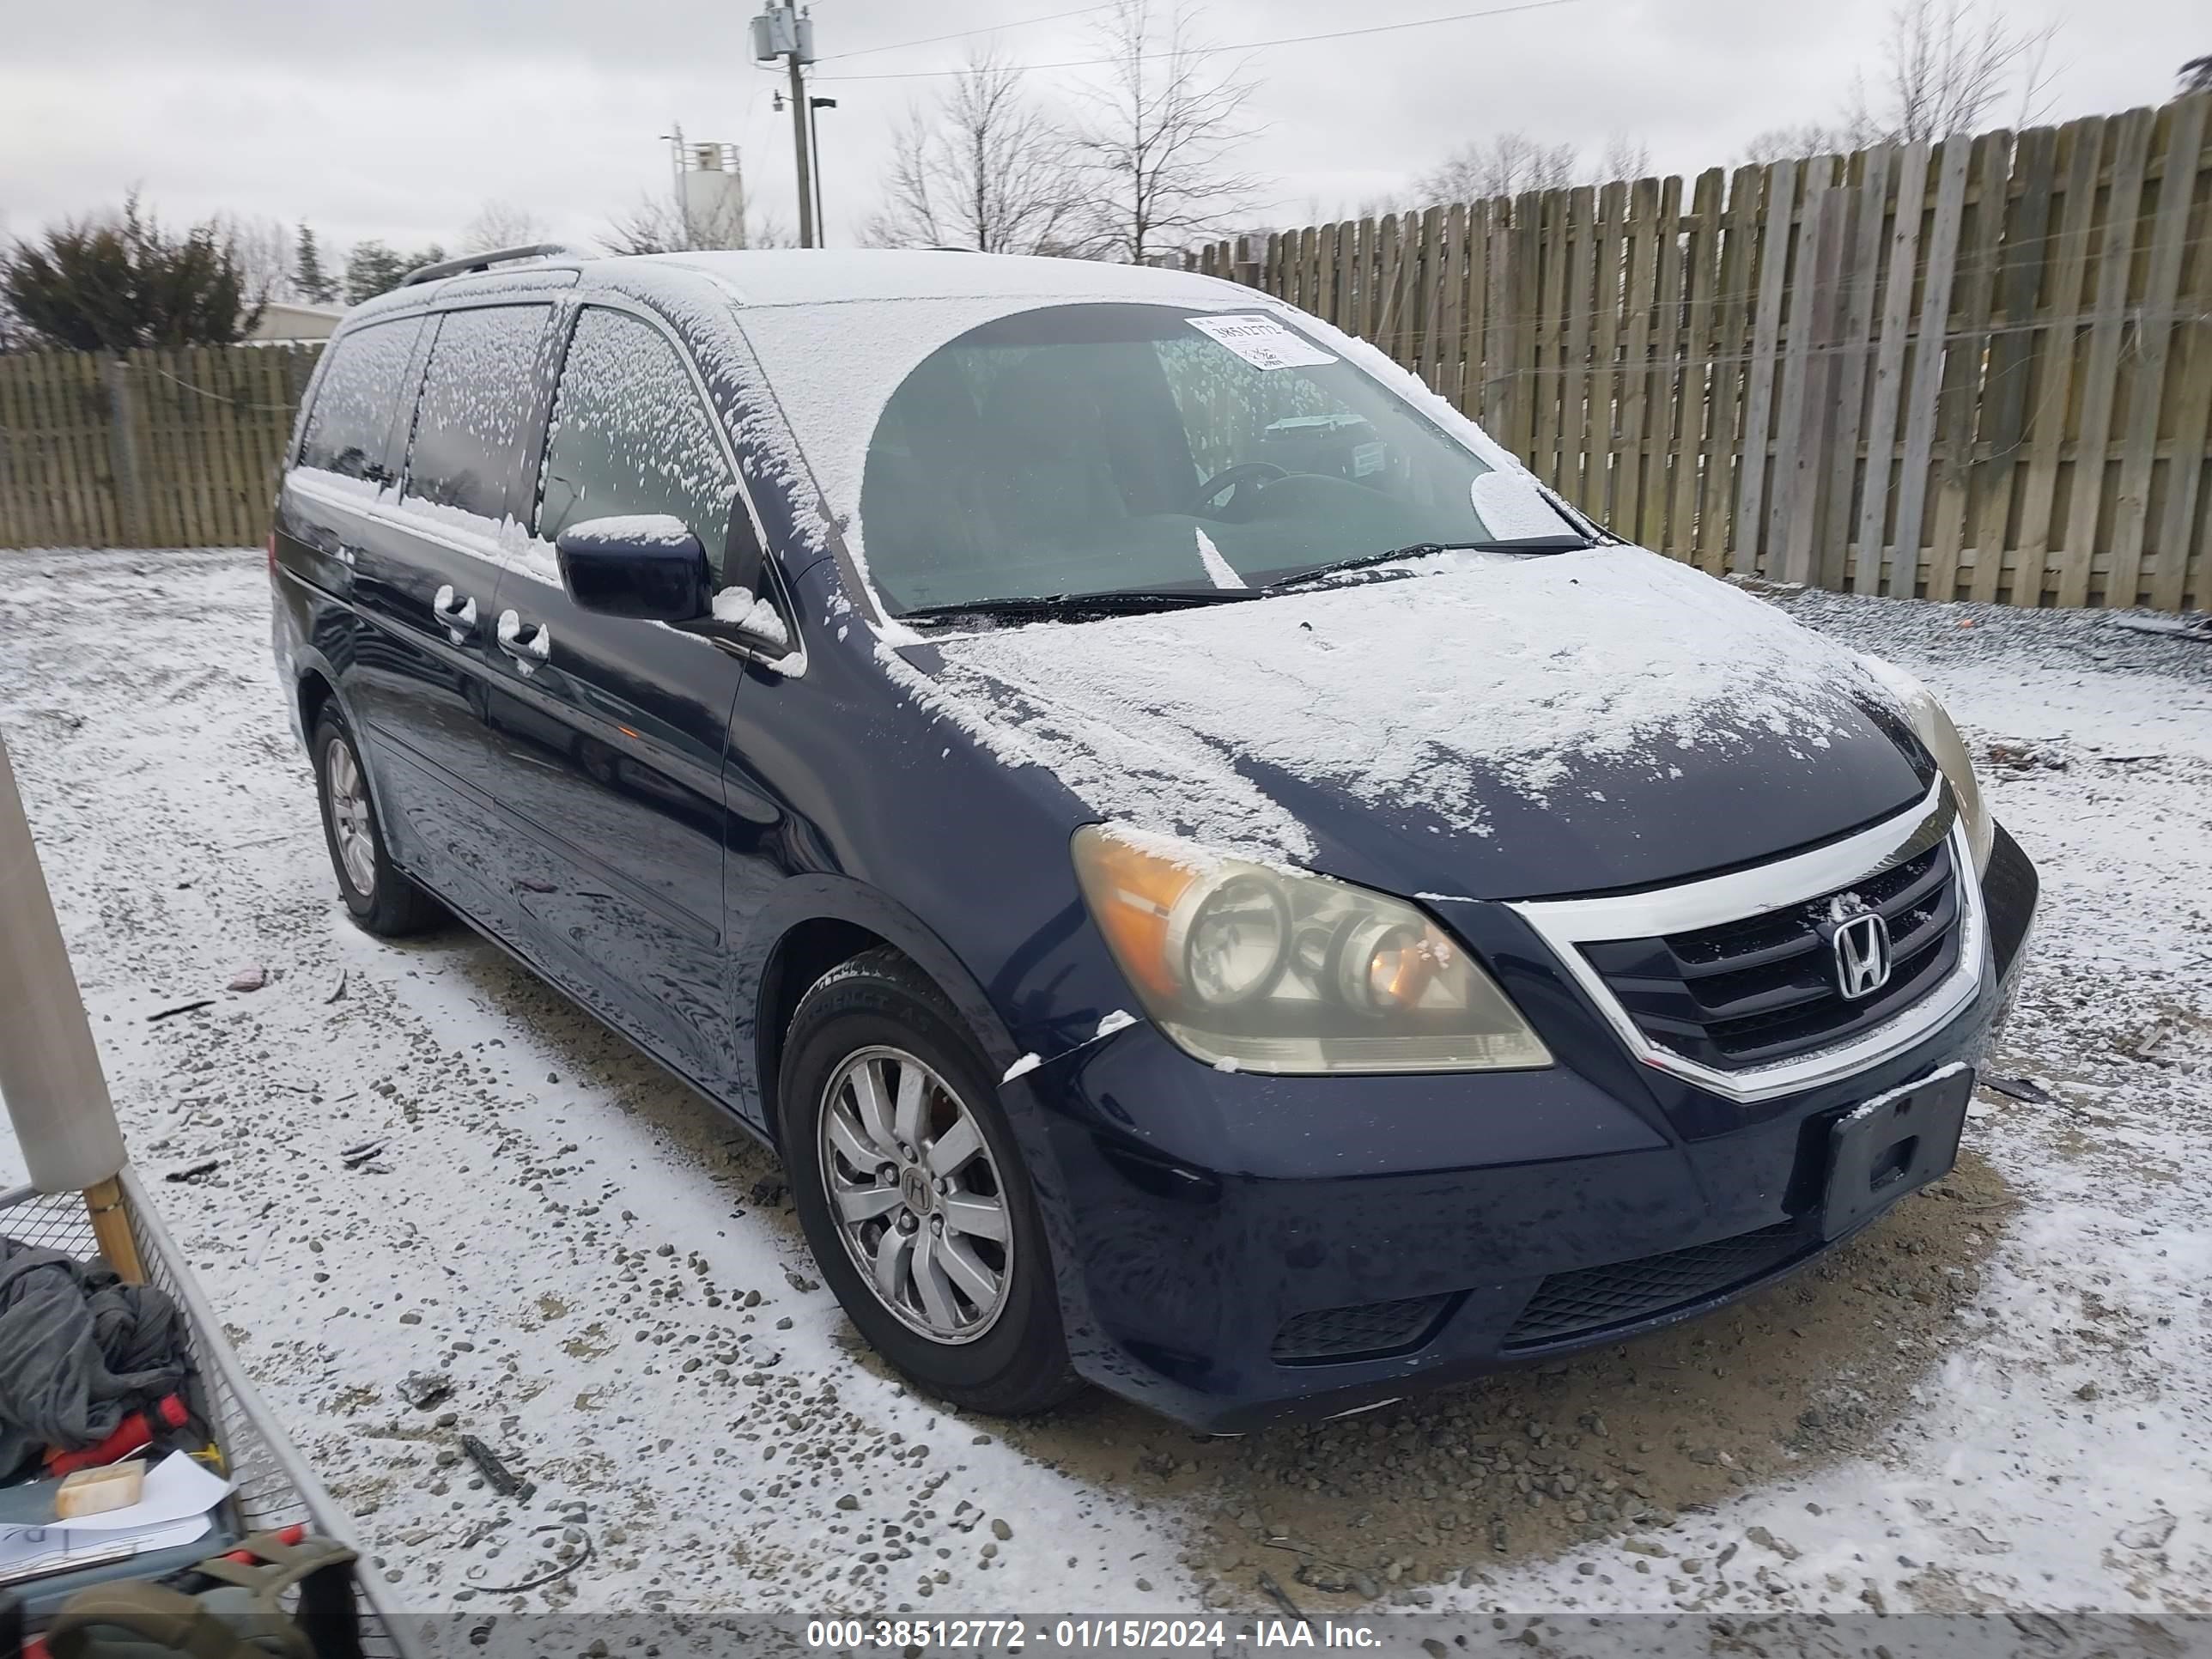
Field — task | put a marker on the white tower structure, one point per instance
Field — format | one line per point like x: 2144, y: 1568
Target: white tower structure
x: 710, y: 192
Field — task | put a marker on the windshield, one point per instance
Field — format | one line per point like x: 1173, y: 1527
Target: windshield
x: 1104, y: 449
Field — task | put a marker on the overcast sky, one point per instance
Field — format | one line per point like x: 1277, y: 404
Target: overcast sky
x: 397, y: 119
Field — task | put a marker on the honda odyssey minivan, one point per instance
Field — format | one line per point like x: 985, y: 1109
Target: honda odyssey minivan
x: 1215, y: 882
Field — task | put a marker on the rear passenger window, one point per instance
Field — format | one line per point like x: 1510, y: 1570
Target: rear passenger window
x: 476, y: 400
x: 630, y: 434
x: 363, y: 386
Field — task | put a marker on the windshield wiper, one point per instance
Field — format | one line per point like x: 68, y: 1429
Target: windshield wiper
x: 1119, y: 603
x: 1531, y: 545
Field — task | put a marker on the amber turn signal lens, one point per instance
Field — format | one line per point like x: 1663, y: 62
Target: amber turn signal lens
x: 1132, y: 891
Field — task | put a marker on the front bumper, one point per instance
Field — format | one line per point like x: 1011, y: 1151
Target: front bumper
x: 1467, y: 1220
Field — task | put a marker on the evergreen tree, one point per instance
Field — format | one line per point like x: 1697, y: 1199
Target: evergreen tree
x: 375, y: 268
x: 314, y: 283
x: 372, y: 268
x: 111, y: 283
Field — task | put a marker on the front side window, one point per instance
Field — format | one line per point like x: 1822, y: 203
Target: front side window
x: 629, y: 435
x: 476, y: 402
x: 1094, y: 448
x: 363, y: 386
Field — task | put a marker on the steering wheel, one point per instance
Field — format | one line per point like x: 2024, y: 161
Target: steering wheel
x: 1254, y: 473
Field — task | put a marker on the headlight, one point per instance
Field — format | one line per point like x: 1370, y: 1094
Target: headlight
x: 1932, y: 726
x: 1263, y: 970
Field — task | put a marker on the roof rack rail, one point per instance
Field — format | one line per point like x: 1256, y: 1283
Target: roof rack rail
x: 498, y: 256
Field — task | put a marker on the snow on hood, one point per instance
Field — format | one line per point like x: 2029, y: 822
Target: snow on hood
x: 1481, y: 673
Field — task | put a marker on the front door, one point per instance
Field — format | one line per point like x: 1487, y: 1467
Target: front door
x: 611, y: 731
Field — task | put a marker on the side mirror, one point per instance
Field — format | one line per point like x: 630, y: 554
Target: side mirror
x: 649, y: 566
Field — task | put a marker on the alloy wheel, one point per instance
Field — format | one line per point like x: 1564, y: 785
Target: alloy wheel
x: 349, y: 824
x: 915, y: 1196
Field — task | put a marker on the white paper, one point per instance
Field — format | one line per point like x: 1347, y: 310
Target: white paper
x: 35, y: 1552
x: 1262, y: 342
x: 176, y: 1487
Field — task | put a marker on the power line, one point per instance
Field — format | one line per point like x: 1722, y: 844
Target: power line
x: 1242, y: 46
x: 962, y: 34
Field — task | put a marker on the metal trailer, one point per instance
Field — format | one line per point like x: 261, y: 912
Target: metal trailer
x: 274, y: 1486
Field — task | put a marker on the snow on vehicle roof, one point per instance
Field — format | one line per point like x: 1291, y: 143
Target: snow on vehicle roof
x: 793, y: 276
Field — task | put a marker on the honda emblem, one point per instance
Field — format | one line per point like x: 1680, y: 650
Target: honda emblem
x: 1861, y: 943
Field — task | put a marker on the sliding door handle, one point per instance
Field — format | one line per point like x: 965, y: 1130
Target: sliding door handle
x: 528, y: 643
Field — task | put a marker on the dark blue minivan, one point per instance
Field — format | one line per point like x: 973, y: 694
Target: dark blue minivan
x: 1215, y: 881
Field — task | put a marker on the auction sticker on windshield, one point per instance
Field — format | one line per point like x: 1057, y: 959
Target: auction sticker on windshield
x: 1262, y: 342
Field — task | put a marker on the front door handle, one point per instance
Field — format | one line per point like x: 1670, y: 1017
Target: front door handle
x: 528, y: 643
x: 459, y: 615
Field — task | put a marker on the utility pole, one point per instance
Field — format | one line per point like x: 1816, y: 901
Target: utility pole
x: 783, y: 31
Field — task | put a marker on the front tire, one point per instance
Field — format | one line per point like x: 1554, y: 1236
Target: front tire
x: 381, y: 899
x: 912, y: 1193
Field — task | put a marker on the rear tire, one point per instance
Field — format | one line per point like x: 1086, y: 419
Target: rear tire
x: 382, y: 899
x: 967, y: 1314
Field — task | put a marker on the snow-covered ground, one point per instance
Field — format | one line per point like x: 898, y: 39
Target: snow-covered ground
x: 2000, y: 1399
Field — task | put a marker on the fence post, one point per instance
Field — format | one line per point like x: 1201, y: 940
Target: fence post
x: 123, y: 448
x: 1802, y: 461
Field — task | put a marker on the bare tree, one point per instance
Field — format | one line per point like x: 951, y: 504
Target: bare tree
x: 1161, y: 134
x: 986, y: 170
x: 658, y: 225
x: 1950, y: 64
x: 1949, y: 67
x: 1808, y: 138
x: 1624, y: 158
x: 1508, y: 163
x: 654, y: 226
x: 500, y: 224
x: 2196, y: 74
x: 1504, y: 164
x: 263, y: 247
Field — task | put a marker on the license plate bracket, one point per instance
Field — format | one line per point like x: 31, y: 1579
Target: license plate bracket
x: 1892, y: 1144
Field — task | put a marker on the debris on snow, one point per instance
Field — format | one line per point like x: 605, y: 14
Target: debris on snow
x: 423, y: 1390
x: 2149, y: 1535
x: 248, y: 979
x: 2026, y: 756
x: 2148, y: 1046
x: 502, y: 1480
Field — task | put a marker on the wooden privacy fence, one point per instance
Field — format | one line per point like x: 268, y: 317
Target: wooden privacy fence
x: 173, y: 448
x: 1981, y: 369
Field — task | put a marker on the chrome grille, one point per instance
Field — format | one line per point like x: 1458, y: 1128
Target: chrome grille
x: 1749, y: 993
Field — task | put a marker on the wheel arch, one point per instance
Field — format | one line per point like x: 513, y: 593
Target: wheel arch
x: 316, y: 687
x: 809, y: 925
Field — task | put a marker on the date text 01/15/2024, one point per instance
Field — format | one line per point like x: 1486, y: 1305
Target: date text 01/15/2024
x: 1014, y: 1635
